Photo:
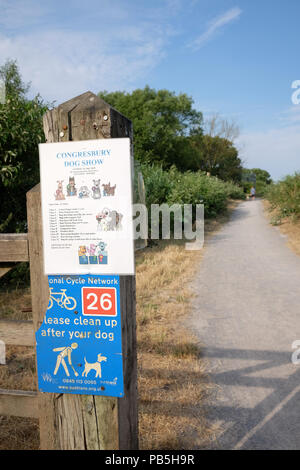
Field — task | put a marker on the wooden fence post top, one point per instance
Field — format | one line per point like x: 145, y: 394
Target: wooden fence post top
x: 87, y: 100
x: 84, y: 117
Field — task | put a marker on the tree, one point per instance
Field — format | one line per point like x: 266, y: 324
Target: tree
x: 168, y: 130
x: 21, y: 131
x: 161, y: 122
x: 218, y: 156
x: 261, y: 175
x: 216, y: 126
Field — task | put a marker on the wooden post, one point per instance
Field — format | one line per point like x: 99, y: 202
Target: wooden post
x: 79, y: 422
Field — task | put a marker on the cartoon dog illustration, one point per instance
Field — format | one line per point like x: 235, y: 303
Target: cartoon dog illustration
x: 109, y: 220
x: 71, y: 188
x: 96, y: 366
x: 101, y: 252
x: 93, y: 259
x: 108, y: 190
x: 83, y: 192
x: 82, y: 250
x: 101, y: 248
x: 82, y: 253
x: 92, y: 249
x: 96, y: 189
x: 59, y: 194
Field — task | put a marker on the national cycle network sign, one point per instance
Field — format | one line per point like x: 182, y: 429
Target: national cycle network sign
x: 79, y: 344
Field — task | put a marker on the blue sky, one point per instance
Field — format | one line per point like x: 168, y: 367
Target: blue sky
x: 236, y: 58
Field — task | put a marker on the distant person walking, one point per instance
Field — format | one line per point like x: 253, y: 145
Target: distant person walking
x: 252, y: 192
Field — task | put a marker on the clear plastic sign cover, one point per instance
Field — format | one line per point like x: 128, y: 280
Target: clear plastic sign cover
x: 86, y: 190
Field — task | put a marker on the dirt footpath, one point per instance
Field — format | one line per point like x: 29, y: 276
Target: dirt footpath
x: 247, y: 315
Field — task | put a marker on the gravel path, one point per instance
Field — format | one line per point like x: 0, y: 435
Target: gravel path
x: 247, y: 315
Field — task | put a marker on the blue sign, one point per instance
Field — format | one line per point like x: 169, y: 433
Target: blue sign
x: 79, y: 344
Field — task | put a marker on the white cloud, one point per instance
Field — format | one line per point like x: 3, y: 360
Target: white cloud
x: 62, y: 64
x: 290, y: 115
x: 215, y: 26
x: 63, y: 57
x: 277, y: 150
x: 105, y: 45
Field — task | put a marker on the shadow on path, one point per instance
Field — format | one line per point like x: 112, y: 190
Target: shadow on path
x: 274, y: 421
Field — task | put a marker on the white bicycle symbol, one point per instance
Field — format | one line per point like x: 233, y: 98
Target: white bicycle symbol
x: 61, y: 299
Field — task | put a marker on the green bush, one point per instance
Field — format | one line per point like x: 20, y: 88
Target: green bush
x: 197, y: 188
x: 284, y: 196
x: 21, y: 130
x: 157, y: 184
x: 173, y: 187
x: 234, y: 191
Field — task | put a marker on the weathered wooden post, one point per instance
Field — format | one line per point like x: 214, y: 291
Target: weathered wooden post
x: 69, y: 422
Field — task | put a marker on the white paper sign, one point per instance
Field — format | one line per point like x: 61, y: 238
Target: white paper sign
x: 87, y: 207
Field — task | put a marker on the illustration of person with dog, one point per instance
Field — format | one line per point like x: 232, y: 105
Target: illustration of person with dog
x: 65, y: 352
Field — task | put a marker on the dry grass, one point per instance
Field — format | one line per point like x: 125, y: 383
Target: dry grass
x: 172, y: 382
x: 288, y: 227
x: 12, y: 302
x: 19, y: 433
x: 19, y: 372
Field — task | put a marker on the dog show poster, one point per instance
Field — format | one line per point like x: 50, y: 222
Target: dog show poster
x: 79, y: 344
x: 86, y: 192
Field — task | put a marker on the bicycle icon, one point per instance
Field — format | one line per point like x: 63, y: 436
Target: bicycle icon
x: 61, y: 299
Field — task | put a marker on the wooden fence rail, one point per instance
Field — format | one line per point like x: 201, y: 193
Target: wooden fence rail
x: 17, y: 333
x: 18, y: 403
x: 13, y: 247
